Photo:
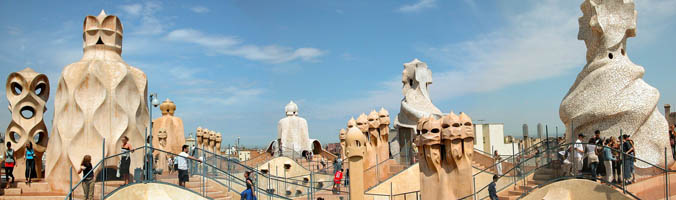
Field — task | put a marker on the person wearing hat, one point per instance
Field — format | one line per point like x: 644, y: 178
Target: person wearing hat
x: 579, y: 152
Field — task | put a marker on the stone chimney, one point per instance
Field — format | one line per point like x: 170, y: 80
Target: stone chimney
x: 667, y: 111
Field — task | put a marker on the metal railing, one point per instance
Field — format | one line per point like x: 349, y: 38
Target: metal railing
x: 278, y: 185
x: 204, y: 176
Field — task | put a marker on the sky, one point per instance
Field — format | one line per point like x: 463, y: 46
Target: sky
x: 232, y: 66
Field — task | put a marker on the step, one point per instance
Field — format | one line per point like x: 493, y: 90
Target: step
x: 36, y: 197
x: 543, y: 177
x: 209, y: 189
x: 35, y: 187
x: 515, y: 192
x: 12, y: 191
x: 216, y: 194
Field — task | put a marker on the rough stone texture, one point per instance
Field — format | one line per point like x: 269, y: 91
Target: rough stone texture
x: 609, y: 93
x: 341, y: 135
x: 293, y: 131
x: 211, y: 141
x: 356, y: 149
x: 445, y: 174
x: 217, y: 143
x: 98, y: 97
x: 384, y: 131
x: 416, y: 78
x: 27, y: 91
x: 198, y: 135
x: 168, y: 134
x: 370, y: 159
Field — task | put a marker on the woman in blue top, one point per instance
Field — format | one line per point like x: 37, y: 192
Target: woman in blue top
x: 30, y: 163
x: 608, y: 160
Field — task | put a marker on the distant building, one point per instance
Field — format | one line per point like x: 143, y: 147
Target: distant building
x: 244, y: 155
x: 190, y: 141
x: 490, y: 137
x: 333, y: 148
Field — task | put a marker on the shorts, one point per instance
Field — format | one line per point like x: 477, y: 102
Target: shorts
x: 183, y: 175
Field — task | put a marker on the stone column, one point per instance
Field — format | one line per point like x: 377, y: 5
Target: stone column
x: 355, y: 150
x: 27, y: 94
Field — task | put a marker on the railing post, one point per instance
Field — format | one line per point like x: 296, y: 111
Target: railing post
x: 391, y: 189
x: 547, y: 144
x: 103, y: 169
x: 666, y: 174
x: 70, y: 196
x: 624, y: 190
x: 513, y: 172
x: 473, y: 187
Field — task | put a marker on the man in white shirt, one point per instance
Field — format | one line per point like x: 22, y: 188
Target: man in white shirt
x: 579, y: 151
x: 182, y: 159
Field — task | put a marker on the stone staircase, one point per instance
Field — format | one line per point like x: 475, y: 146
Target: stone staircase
x: 37, y: 190
x: 540, y: 176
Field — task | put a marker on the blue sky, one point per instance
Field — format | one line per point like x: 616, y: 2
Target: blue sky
x: 232, y: 66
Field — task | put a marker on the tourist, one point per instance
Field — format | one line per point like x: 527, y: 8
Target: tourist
x: 578, y: 155
x: 608, y: 159
x: 9, y: 164
x: 170, y: 164
x: 628, y: 149
x: 249, y: 182
x: 347, y: 177
x: 672, y: 141
x: 597, y: 138
x: 182, y: 167
x: 492, y: 192
x: 323, y: 163
x: 598, y: 141
x: 498, y: 163
x: 148, y: 164
x: 617, y: 164
x: 592, y: 158
x: 87, y: 176
x: 125, y: 160
x: 30, y: 163
x: 336, y: 181
x: 633, y: 159
x: 247, y: 195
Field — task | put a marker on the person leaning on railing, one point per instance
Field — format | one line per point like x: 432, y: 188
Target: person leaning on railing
x: 592, y: 158
x: 628, y: 149
x: 608, y: 159
x: 183, y: 165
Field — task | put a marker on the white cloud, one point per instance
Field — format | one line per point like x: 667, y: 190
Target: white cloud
x: 199, y: 9
x: 197, y: 37
x: 229, y: 45
x: 537, y: 44
x: 420, y: 5
x: 132, y: 9
x: 224, y: 96
x: 149, y: 23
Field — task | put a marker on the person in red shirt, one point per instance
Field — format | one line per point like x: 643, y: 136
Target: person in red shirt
x: 336, y: 181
